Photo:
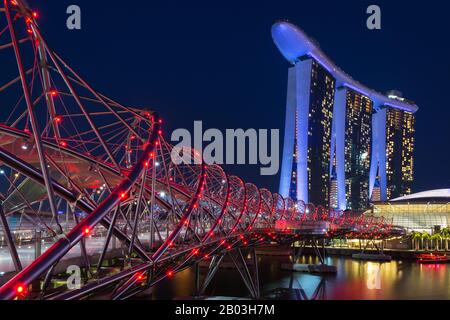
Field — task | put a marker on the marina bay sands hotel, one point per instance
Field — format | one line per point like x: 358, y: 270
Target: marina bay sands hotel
x: 345, y: 144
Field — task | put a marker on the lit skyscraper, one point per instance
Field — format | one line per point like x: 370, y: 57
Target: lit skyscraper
x: 376, y: 193
x: 399, y: 152
x: 328, y: 110
x: 307, y: 147
x: 334, y: 203
x: 358, y: 144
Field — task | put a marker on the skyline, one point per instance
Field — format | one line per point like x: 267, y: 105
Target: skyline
x: 201, y: 83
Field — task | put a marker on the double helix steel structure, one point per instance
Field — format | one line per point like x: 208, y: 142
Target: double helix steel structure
x: 78, y: 167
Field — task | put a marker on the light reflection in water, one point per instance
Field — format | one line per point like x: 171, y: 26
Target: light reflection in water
x: 355, y: 280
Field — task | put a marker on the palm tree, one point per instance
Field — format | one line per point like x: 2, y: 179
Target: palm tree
x: 446, y: 236
x: 425, y: 236
x: 416, y: 236
x: 436, y: 237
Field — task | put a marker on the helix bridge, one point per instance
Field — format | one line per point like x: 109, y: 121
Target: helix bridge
x: 78, y: 167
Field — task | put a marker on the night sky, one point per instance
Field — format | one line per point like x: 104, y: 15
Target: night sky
x: 215, y: 61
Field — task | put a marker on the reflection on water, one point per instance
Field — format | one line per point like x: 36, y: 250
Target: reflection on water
x: 355, y: 280
x: 374, y: 276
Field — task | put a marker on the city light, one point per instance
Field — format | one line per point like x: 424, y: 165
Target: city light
x: 87, y: 231
x: 123, y: 195
x: 21, y: 290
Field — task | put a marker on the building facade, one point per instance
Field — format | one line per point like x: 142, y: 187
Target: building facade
x: 358, y: 144
x: 400, y: 150
x: 427, y: 211
x: 342, y: 139
x: 307, y: 144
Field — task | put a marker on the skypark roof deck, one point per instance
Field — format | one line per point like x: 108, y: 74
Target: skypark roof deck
x: 293, y: 43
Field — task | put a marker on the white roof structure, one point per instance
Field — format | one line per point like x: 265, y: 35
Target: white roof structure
x: 293, y: 43
x: 432, y: 194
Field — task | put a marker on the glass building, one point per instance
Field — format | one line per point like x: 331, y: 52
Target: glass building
x: 334, y: 203
x: 358, y: 144
x: 319, y: 134
x: 423, y: 212
x: 293, y: 184
x: 400, y: 152
x: 307, y: 143
x: 376, y: 194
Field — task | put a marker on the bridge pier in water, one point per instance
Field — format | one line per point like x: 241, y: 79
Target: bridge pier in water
x: 318, y: 247
x: 378, y: 255
x: 236, y: 259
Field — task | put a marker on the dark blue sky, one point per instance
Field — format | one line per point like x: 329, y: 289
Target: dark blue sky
x: 215, y: 61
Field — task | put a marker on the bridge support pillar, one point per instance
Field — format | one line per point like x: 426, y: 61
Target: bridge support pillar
x: 212, y: 270
x: 318, y: 246
x: 248, y: 270
x: 10, y: 240
x: 197, y: 280
x: 37, y: 244
x: 376, y: 255
x: 250, y: 279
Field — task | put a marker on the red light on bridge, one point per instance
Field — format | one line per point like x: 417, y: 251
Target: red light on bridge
x: 53, y: 93
x: 87, y: 231
x: 21, y: 290
x: 58, y: 120
x: 63, y: 144
x: 140, y: 276
x: 170, y: 274
x: 206, y: 257
x: 123, y: 196
x: 35, y: 15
